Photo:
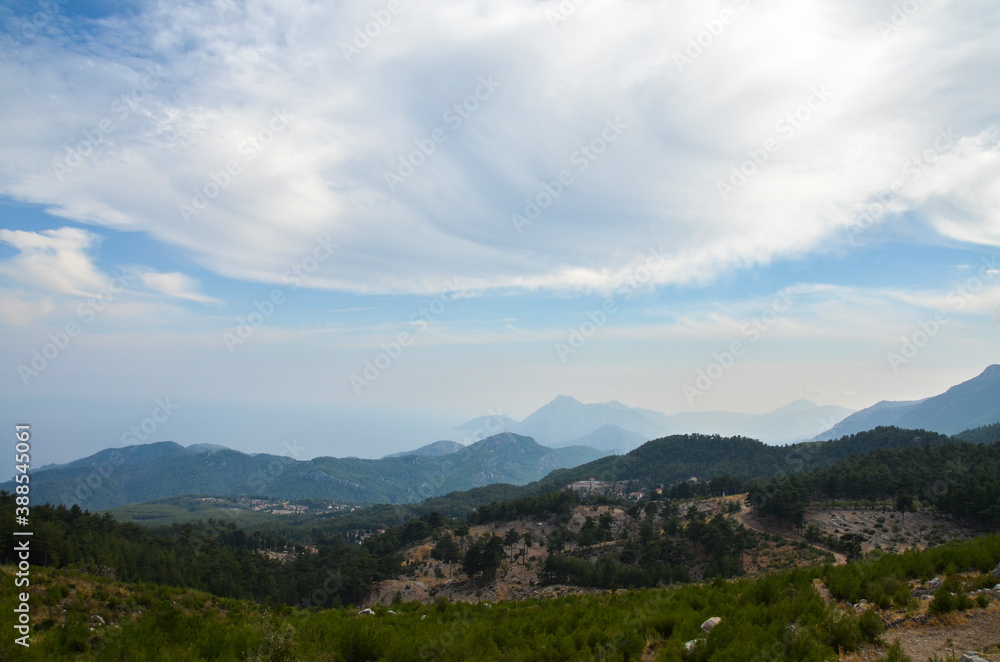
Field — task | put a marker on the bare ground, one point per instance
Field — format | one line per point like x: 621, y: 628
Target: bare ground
x: 978, y: 630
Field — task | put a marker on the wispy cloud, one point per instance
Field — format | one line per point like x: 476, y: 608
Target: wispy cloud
x: 175, y: 285
x: 231, y: 113
x: 53, y: 260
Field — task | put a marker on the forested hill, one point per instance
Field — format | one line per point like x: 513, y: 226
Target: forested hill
x: 668, y: 460
x: 680, y: 457
x: 982, y: 435
x: 136, y: 474
x: 957, y: 478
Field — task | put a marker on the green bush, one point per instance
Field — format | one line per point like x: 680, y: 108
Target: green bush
x: 871, y: 625
x: 844, y: 633
x: 943, y: 602
x: 895, y: 653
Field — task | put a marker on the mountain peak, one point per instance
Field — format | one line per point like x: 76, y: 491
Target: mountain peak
x: 795, y: 406
x: 973, y: 403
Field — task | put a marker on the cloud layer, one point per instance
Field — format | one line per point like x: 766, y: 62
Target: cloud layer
x: 727, y: 135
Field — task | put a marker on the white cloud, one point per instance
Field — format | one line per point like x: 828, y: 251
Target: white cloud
x: 18, y: 311
x: 228, y: 80
x: 53, y: 260
x: 174, y: 284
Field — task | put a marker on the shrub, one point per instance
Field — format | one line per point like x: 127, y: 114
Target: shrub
x: 871, y: 625
x: 943, y: 602
x: 844, y: 633
x: 895, y: 653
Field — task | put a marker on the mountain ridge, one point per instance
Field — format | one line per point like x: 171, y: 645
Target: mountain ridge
x: 135, y: 474
x: 969, y: 404
x: 565, y: 420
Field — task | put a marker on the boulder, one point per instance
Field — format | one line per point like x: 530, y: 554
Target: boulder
x: 972, y: 656
x: 996, y: 571
x: 96, y: 618
x: 367, y: 611
x: 689, y: 645
x: 933, y: 584
x: 710, y: 624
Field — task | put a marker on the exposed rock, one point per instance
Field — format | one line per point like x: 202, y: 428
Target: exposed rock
x: 689, y: 645
x: 710, y: 624
x: 367, y: 611
x: 933, y: 583
x: 996, y: 571
x: 972, y: 656
x: 96, y: 618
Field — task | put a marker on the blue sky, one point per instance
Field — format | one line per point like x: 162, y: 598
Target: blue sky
x: 592, y: 199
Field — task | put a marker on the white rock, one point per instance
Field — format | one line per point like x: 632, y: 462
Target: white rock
x: 689, y: 645
x: 366, y: 611
x: 972, y: 656
x: 710, y: 624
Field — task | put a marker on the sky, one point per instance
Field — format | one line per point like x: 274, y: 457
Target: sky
x: 357, y: 225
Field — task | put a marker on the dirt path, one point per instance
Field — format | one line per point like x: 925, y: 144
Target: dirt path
x: 745, y: 518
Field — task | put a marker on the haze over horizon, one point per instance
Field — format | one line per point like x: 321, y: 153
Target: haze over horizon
x: 286, y: 230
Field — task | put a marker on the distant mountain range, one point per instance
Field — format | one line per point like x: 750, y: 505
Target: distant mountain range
x: 971, y: 404
x: 574, y: 434
x: 437, y: 449
x: 613, y: 426
x: 119, y: 476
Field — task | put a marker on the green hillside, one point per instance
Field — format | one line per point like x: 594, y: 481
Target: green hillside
x: 136, y: 474
x: 779, y: 616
